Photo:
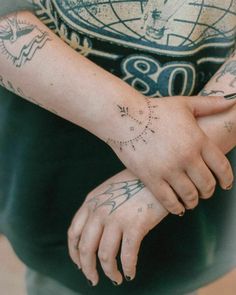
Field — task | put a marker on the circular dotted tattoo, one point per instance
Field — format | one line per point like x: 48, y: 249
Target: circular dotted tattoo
x: 145, y: 123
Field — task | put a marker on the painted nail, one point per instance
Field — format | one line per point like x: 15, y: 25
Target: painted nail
x: 90, y: 283
x: 128, y: 278
x: 182, y: 213
x: 230, y: 96
x: 115, y: 283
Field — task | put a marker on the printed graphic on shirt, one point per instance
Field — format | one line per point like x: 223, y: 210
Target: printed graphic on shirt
x: 140, y: 36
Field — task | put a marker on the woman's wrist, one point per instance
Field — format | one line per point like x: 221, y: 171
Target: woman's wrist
x: 221, y: 129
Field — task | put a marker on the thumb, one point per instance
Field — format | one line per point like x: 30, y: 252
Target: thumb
x: 209, y: 105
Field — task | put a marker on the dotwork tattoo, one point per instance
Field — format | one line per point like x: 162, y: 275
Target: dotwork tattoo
x: 117, y: 194
x: 18, y: 91
x: 141, y: 124
x: 228, y: 125
x: 124, y: 112
x: 19, y: 40
x: 228, y: 68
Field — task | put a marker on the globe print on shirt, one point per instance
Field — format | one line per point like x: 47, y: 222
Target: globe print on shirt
x: 154, y: 30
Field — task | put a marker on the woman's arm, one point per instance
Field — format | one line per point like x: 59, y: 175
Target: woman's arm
x: 39, y: 66
x: 123, y: 210
x: 221, y: 128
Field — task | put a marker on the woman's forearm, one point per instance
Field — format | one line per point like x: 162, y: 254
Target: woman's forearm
x: 39, y: 66
x: 221, y: 128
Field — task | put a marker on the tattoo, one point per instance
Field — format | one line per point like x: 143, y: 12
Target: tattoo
x: 18, y: 91
x: 117, y: 194
x: 150, y: 206
x: 229, y: 126
x: 20, y: 40
x: 228, y: 68
x: 141, y: 124
x: 205, y: 92
x: 140, y: 210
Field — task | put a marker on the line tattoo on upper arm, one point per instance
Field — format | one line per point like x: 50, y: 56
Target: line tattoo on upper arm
x: 117, y: 194
x: 18, y: 91
x: 20, y: 40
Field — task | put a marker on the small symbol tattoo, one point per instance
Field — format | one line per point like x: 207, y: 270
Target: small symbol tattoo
x: 229, y: 126
x: 150, y: 206
x: 140, y: 210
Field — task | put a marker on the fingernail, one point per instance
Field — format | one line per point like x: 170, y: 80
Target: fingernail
x: 90, y: 283
x: 182, y: 213
x: 188, y: 208
x: 128, y: 278
x: 230, y: 96
x: 229, y: 187
x: 115, y: 283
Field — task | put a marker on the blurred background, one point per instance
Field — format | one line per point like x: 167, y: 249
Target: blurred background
x: 12, y: 276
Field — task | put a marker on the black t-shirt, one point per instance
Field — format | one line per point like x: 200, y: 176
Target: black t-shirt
x: 48, y: 165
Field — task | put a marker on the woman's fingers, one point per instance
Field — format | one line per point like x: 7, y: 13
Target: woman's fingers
x: 131, y: 242
x: 88, y: 246
x: 108, y: 249
x: 202, y: 177
x: 219, y: 164
x: 169, y: 199
x: 184, y: 188
x: 74, y: 233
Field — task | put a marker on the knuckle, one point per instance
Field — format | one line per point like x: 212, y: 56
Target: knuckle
x: 187, y: 157
x: 224, y: 166
x: 83, y: 250
x: 190, y: 154
x: 103, y: 256
x: 192, y: 205
x: 71, y: 233
x: 191, y: 196
x: 173, y: 206
x: 209, y: 190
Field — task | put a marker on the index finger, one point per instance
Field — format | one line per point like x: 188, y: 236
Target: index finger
x: 131, y: 243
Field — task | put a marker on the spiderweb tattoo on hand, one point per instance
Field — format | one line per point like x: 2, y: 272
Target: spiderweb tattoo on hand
x: 117, y: 194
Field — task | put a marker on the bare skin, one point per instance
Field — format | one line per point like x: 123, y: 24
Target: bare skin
x: 111, y: 217
x: 145, y: 125
x: 122, y: 212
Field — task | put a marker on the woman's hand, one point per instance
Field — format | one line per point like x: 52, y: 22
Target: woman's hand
x: 120, y: 212
x: 169, y: 152
x: 157, y: 139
